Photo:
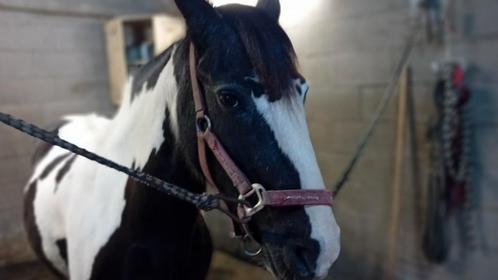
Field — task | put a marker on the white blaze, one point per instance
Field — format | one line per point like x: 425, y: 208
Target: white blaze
x: 286, y: 118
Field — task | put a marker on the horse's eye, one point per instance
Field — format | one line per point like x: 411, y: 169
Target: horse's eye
x: 228, y: 99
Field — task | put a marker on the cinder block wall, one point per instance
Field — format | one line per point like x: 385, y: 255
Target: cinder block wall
x: 348, y: 51
x: 52, y: 63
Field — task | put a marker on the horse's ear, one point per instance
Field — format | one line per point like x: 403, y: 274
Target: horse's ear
x: 271, y: 7
x: 201, y: 18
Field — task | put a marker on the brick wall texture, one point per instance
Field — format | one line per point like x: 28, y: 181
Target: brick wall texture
x: 53, y: 65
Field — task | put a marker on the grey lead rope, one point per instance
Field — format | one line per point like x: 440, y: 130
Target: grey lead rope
x: 388, y: 94
x: 202, y: 201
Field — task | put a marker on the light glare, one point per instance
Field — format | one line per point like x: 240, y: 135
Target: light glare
x: 217, y: 3
x: 293, y: 11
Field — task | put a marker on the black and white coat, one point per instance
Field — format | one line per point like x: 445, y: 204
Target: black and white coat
x: 90, y: 222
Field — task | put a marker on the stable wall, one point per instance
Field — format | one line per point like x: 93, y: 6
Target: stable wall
x: 348, y: 51
x: 52, y: 63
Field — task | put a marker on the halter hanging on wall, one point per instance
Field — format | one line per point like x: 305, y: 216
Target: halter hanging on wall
x: 450, y: 188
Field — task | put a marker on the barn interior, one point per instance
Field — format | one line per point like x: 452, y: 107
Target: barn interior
x: 375, y: 69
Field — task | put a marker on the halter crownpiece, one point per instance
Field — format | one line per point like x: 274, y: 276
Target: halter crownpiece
x: 264, y: 198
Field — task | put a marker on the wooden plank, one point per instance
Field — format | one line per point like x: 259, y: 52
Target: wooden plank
x: 166, y: 30
x: 116, y: 58
x: 133, y: 18
x: 397, y: 177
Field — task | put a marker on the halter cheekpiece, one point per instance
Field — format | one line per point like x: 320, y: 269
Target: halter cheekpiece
x: 256, y: 193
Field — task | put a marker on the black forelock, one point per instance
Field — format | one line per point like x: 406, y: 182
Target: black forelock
x: 267, y: 46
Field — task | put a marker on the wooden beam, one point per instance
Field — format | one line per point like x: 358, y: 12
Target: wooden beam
x: 397, y: 177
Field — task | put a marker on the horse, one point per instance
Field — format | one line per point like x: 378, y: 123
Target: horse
x: 86, y: 221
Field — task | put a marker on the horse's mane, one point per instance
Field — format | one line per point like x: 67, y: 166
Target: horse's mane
x: 267, y: 45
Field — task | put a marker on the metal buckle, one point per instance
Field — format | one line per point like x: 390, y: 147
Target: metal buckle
x: 258, y: 190
x: 203, y: 124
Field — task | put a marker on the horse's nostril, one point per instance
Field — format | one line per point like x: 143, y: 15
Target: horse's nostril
x: 301, y: 260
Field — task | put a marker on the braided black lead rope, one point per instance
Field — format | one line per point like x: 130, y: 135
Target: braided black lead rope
x: 202, y: 201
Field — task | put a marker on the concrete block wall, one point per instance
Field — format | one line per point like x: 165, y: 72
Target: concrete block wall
x: 348, y: 51
x: 52, y: 63
x: 87, y: 7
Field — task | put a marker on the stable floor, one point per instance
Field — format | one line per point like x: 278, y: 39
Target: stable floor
x: 224, y: 267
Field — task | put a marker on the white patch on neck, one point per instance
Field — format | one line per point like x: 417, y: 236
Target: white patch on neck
x: 137, y: 130
x: 139, y: 124
x: 287, y: 120
x: 89, y: 203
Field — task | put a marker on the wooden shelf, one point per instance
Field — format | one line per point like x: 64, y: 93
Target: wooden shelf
x: 133, y: 40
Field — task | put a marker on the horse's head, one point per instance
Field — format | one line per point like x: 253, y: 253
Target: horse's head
x: 255, y: 97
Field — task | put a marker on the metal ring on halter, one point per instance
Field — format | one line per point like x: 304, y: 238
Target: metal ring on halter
x: 247, y: 239
x: 257, y: 190
x: 203, y: 124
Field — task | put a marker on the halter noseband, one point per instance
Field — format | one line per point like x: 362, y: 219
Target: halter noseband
x: 264, y: 198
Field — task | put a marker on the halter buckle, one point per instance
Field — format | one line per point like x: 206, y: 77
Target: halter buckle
x: 258, y: 190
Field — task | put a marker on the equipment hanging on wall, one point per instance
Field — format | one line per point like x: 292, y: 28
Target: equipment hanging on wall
x: 450, y: 190
x: 438, y: 17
